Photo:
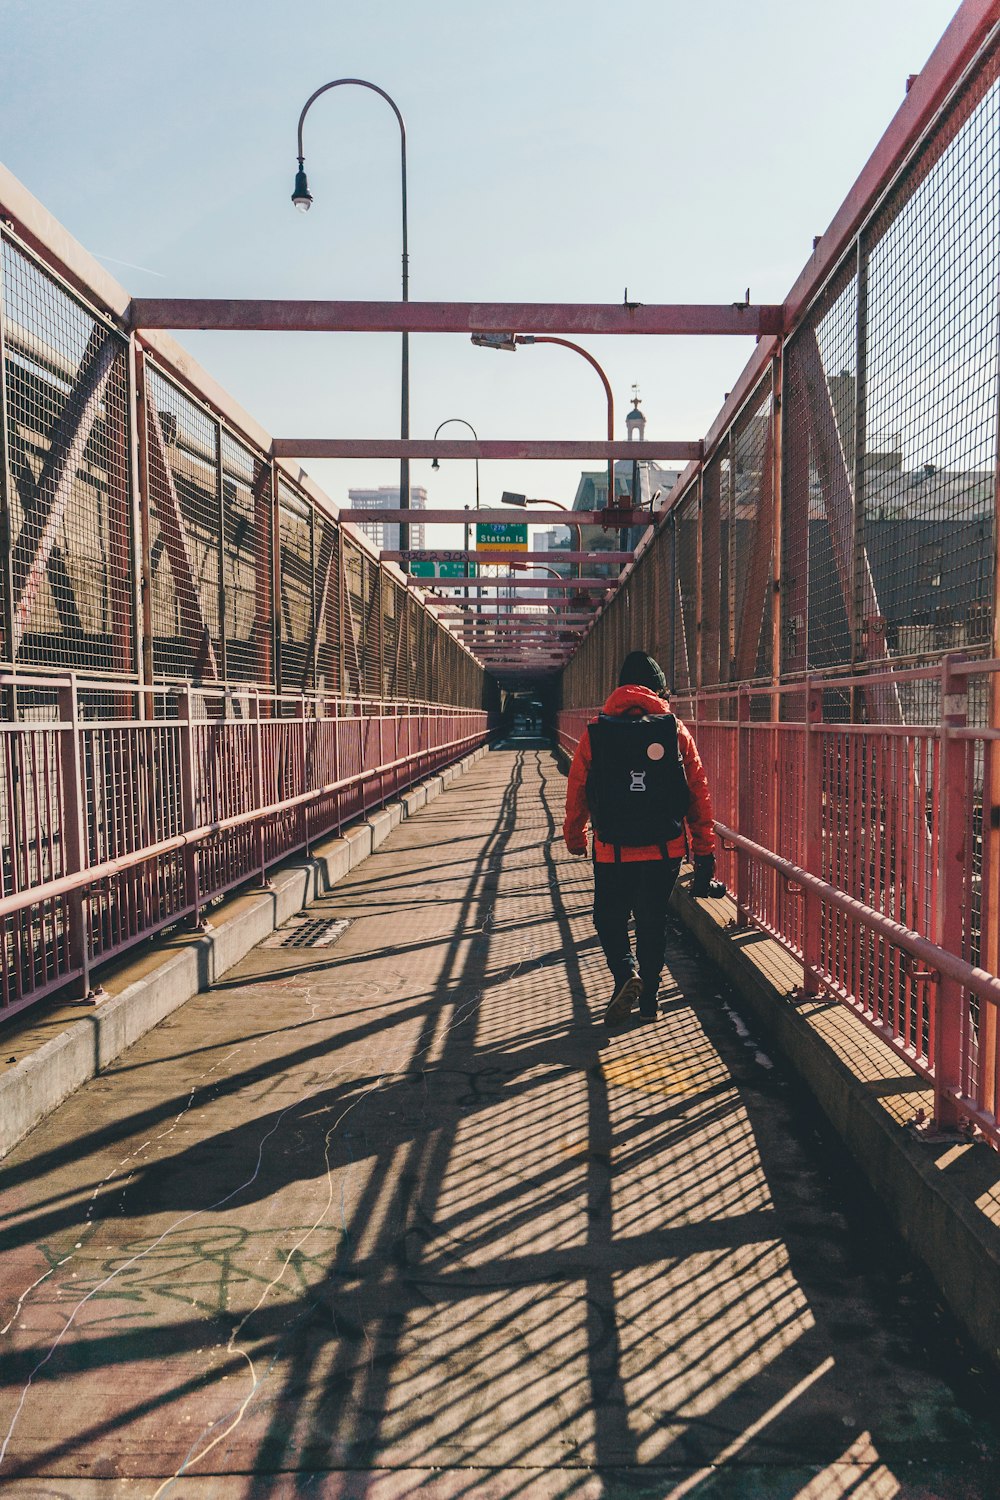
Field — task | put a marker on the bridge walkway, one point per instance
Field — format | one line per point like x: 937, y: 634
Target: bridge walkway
x: 391, y: 1215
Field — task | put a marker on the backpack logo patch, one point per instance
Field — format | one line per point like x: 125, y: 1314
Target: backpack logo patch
x: 655, y: 751
x: 638, y: 781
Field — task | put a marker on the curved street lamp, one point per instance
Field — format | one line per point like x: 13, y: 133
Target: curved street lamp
x: 436, y: 465
x: 302, y: 198
x: 510, y: 498
x: 511, y: 340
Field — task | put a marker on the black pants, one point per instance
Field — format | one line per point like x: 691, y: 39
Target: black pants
x: 640, y: 888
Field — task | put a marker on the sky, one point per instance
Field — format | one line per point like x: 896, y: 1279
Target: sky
x: 557, y: 150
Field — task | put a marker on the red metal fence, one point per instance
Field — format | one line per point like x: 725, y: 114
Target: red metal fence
x: 117, y: 825
x: 821, y: 590
x: 201, y: 670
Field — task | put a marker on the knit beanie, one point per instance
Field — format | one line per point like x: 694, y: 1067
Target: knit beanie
x: 641, y: 670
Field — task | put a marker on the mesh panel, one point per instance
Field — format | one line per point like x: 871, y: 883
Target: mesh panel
x: 752, y: 536
x: 329, y: 624
x: 295, y: 532
x: 818, y: 535
x: 391, y: 635
x: 714, y: 569
x: 933, y: 259
x: 69, y: 512
x: 184, y: 560
x: 373, y: 629
x: 246, y: 564
x: 685, y: 588
x: 352, y: 616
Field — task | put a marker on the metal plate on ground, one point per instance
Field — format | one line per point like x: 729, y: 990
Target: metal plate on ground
x: 308, y: 932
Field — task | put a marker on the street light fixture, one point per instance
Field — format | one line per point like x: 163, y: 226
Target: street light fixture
x: 512, y: 340
x: 436, y: 465
x: 302, y: 198
x: 498, y: 341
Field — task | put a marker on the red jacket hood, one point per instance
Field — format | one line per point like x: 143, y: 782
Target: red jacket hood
x: 635, y: 699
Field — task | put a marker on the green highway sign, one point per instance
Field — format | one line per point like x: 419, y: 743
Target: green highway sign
x: 502, y: 536
x: 426, y: 567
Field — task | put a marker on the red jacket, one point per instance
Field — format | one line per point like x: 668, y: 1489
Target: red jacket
x: 639, y: 700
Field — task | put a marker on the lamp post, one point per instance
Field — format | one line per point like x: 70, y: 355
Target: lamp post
x: 302, y: 198
x: 512, y: 340
x: 436, y: 465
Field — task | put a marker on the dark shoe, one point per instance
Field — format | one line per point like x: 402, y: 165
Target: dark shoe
x: 647, y: 1015
x: 623, y: 1000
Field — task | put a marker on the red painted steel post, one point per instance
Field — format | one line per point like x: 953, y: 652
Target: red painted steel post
x: 259, y: 800
x: 744, y: 806
x: 73, y: 831
x: 952, y: 893
x: 812, y: 807
x: 189, y: 801
x: 304, y: 753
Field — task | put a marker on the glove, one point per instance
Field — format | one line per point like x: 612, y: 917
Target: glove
x: 577, y: 848
x: 704, y: 869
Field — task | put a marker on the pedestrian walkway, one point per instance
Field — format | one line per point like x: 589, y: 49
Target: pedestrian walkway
x: 386, y: 1213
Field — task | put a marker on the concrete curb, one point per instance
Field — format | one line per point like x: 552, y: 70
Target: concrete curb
x: 186, y: 963
x: 943, y: 1196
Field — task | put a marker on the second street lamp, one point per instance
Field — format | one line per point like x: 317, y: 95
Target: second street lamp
x: 510, y: 498
x: 436, y: 465
x: 302, y: 198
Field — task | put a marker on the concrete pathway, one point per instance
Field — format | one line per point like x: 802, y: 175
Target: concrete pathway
x: 392, y: 1216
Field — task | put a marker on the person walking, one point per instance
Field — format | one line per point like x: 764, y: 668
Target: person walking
x: 638, y: 778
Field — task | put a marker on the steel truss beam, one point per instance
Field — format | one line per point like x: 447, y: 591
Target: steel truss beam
x: 619, y: 516
x: 513, y: 582
x: 503, y: 448
x: 288, y: 315
x: 496, y: 558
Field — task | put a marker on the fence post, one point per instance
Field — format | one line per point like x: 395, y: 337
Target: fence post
x: 74, y: 832
x: 952, y: 893
x: 812, y: 800
x: 257, y: 787
x: 744, y: 820
x: 304, y: 753
x: 189, y: 801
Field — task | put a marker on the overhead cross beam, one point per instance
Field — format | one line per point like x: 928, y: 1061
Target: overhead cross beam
x: 497, y: 556
x: 497, y: 448
x: 488, y: 516
x: 297, y: 315
x: 492, y: 584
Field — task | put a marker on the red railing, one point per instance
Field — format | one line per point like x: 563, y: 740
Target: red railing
x: 116, y: 826
x: 865, y: 850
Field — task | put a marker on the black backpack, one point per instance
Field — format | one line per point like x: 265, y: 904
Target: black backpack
x: 637, y: 792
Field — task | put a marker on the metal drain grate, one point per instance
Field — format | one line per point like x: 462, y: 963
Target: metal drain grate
x: 308, y: 932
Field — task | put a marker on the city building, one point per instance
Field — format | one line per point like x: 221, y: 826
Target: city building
x: 641, y: 478
x: 385, y: 534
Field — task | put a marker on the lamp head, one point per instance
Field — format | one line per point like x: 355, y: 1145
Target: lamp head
x: 435, y: 464
x: 508, y: 498
x: 495, y: 340
x: 301, y: 196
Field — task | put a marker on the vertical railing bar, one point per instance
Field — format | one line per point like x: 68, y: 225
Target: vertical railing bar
x: 952, y: 860
x: 74, y: 831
